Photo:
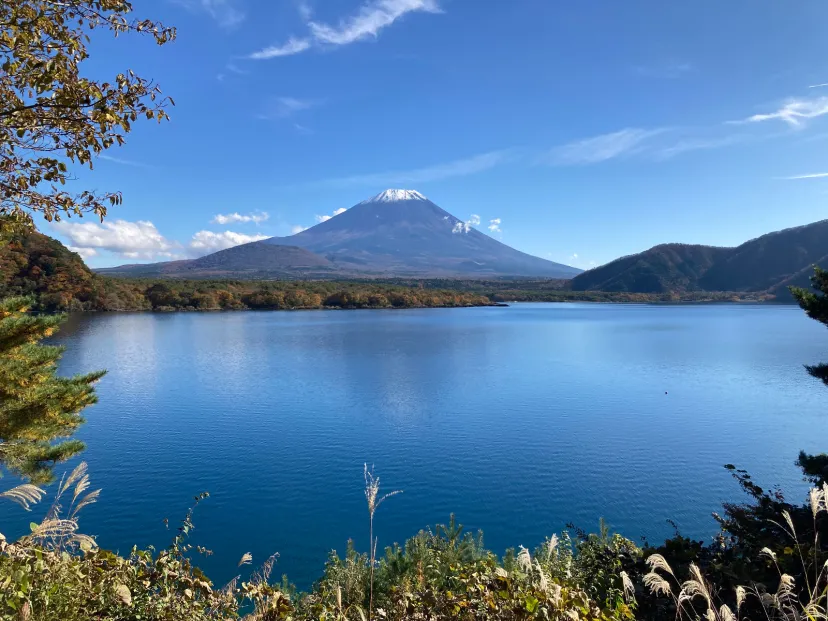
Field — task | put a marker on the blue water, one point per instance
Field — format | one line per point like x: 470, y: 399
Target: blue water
x: 518, y: 419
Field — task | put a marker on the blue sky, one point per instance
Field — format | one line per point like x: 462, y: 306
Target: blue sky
x: 591, y: 129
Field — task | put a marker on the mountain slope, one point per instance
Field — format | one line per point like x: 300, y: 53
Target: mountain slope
x: 402, y: 233
x: 768, y: 263
x: 247, y: 260
x: 764, y: 262
x: 396, y: 233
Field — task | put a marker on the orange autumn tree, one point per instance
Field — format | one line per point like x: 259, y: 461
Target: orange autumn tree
x: 52, y: 117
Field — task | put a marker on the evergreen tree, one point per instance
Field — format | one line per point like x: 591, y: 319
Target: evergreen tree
x: 815, y: 304
x: 36, y: 406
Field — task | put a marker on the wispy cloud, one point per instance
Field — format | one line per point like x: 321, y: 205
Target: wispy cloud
x: 494, y: 225
x: 305, y: 9
x: 297, y: 229
x: 620, y: 144
x: 125, y: 162
x: 818, y: 85
x: 284, y: 107
x: 669, y: 70
x: 795, y: 112
x: 367, y: 23
x: 438, y: 172
x: 224, y: 12
x: 685, y: 145
x: 292, y: 46
x: 653, y: 144
x: 233, y: 68
x: 255, y: 217
x: 811, y: 176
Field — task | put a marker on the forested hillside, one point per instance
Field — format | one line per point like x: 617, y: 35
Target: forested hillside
x: 769, y: 264
x: 33, y: 264
x: 36, y: 265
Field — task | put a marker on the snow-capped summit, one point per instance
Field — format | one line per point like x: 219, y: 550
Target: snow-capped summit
x: 397, y: 233
x: 392, y: 196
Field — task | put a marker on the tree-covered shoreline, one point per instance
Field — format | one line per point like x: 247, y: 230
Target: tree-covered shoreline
x: 33, y: 264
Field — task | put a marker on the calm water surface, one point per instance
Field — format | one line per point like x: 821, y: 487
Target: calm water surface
x: 518, y: 419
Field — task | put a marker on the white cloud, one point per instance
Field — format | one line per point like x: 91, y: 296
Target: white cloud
x: 320, y: 219
x: 297, y: 229
x: 133, y: 240
x: 818, y: 85
x: 291, y: 47
x: 257, y: 218
x: 142, y: 240
x: 601, y: 148
x: 465, y: 227
x: 457, y: 168
x: 205, y: 242
x: 86, y: 253
x: 494, y: 225
x: 794, y: 112
x: 371, y: 18
x: 284, y: 107
x: 811, y: 176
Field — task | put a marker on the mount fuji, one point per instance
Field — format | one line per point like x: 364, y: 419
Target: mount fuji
x: 395, y: 233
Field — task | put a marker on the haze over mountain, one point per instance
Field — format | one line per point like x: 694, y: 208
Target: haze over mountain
x: 395, y: 233
x: 770, y: 263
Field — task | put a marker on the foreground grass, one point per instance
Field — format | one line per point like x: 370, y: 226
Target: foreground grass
x: 57, y: 573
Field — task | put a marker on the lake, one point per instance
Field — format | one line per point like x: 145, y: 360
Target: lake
x: 517, y: 419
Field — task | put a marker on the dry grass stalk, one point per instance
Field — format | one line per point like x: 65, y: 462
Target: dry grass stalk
x: 783, y: 605
x: 25, y: 495
x: 372, y: 490
x: 629, y: 587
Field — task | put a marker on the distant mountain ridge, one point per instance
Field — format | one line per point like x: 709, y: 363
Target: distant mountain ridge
x: 397, y: 233
x: 768, y: 263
